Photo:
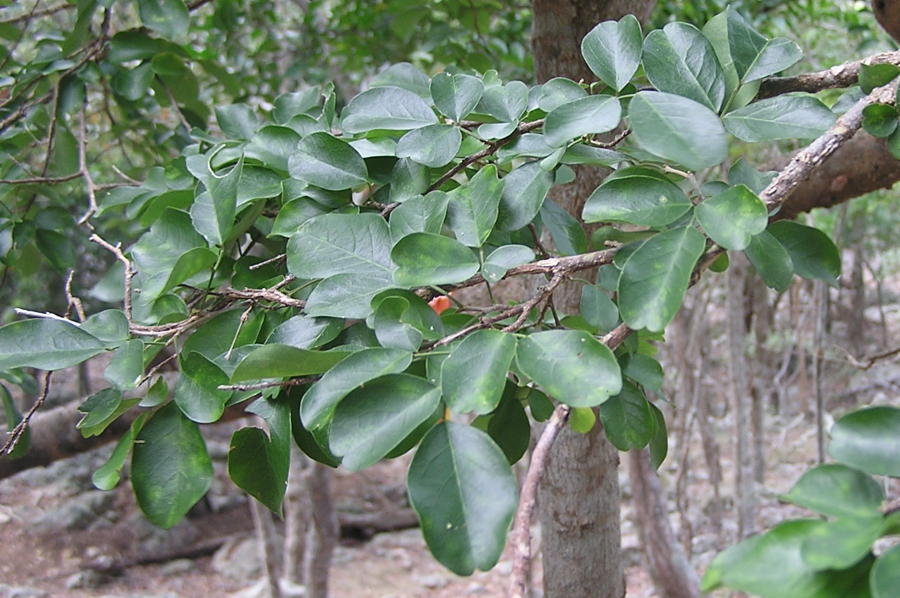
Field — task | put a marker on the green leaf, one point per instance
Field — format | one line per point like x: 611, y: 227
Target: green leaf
x: 421, y: 214
x: 498, y: 263
x: 755, y: 56
x: 771, y: 565
x: 432, y: 145
x: 341, y: 244
x: 508, y: 425
x: 107, y: 475
x: 678, y: 59
x: 196, y: 392
x: 598, y: 309
x: 13, y: 417
x: 388, y: 108
x: 237, y: 121
x: 571, y: 366
x: 257, y: 463
x: 627, y: 418
x: 879, y: 120
x: 841, y: 543
x: 305, y: 332
x: 524, y: 190
x: 742, y: 173
x: 126, y: 368
x: 455, y: 96
x: 58, y: 250
x: 346, y: 295
x: 474, y: 376
x: 587, y: 116
x: 273, y: 145
x: 170, y: 468
x: 678, y: 129
x: 391, y: 329
x: 328, y: 162
x: 284, y: 361
x: 506, y: 102
x: 876, y: 75
x: 733, y: 217
x: 644, y: 370
x: 791, y: 116
x: 223, y: 332
x: 812, y: 252
x: 356, y: 370
x: 169, y: 18
x: 188, y: 264
x: 425, y: 259
x: 473, y: 208
x: 464, y: 494
x: 567, y: 234
x: 835, y: 490
x: 409, y: 180
x: 659, y: 444
x: 294, y: 213
x: 612, y: 50
x: 655, y: 277
x: 559, y: 91
x: 639, y: 196
x: 868, y: 439
x: 374, y: 418
x: 213, y: 212
x: 771, y: 261
x: 46, y: 344
x: 885, y: 577
x: 582, y: 419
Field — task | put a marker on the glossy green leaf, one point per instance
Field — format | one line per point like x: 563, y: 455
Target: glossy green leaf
x: 258, y: 463
x: 169, y: 18
x: 733, y: 217
x: 320, y: 400
x: 391, y: 329
x: 346, y: 295
x: 559, y: 91
x: 284, y: 361
x: 678, y: 129
x: 771, y: 565
x: 465, y: 529
x: 56, y: 248
x: 213, y: 212
x: 498, y: 263
x: 388, y: 108
x: 812, y: 252
x: 587, y: 116
x: 791, y: 116
x: 107, y: 475
x: 644, y: 370
x: 876, y: 75
x: 424, y: 259
x: 659, y: 444
x: 431, y: 145
x: 678, y: 59
x: 841, y: 543
x: 755, y: 56
x: 598, y: 309
x: 567, y: 234
x: 46, y: 344
x: 294, y: 213
x: 305, y: 332
x: 742, y: 173
x: 868, y: 439
x: 636, y: 195
x: 273, y: 145
x: 627, y: 418
x: 405, y: 76
x: 474, y: 376
x: 571, y: 366
x: 341, y: 244
x: 885, y: 577
x: 421, y: 214
x: 508, y: 425
x: 879, y: 120
x: 582, y: 419
x: 126, y: 368
x: 196, y: 392
x: 835, y: 490
x: 170, y: 468
x: 524, y: 190
x: 656, y: 276
x: 771, y: 261
x: 374, y: 418
x: 612, y: 50
x: 473, y: 208
x: 187, y: 265
x: 237, y: 121
x: 506, y: 102
x: 328, y: 162
x: 455, y: 96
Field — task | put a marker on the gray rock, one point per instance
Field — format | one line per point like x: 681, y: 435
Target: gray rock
x: 154, y: 541
x: 86, y: 579
x: 176, y: 567
x: 432, y: 582
x: 21, y: 592
x: 77, y: 513
x: 238, y: 558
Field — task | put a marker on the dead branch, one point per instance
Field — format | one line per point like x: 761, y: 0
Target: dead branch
x: 842, y: 75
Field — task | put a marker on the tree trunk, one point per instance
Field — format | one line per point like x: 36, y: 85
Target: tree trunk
x: 579, y: 494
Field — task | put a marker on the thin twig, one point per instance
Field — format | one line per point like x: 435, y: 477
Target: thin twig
x: 129, y: 272
x: 16, y: 434
x: 41, y: 180
x: 520, y: 536
x: 842, y: 75
x: 262, y: 385
x: 84, y: 171
x: 74, y: 302
x: 34, y: 14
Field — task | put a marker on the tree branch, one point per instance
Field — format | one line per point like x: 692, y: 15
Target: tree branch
x: 843, y: 75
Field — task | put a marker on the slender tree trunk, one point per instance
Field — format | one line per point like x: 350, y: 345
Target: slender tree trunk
x: 579, y: 495
x: 322, y: 534
x: 296, y: 518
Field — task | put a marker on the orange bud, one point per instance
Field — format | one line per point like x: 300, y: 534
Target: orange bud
x: 439, y: 304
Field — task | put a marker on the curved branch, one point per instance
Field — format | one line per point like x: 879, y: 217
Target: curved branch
x: 842, y: 75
